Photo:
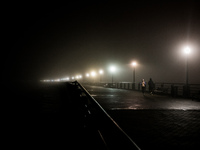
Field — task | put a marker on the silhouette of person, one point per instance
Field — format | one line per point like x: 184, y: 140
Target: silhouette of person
x: 143, y: 83
x: 151, y: 86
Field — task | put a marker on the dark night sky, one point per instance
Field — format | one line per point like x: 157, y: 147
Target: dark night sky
x: 45, y: 42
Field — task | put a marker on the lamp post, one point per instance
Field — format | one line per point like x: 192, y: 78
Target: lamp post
x: 93, y: 74
x: 133, y: 64
x: 187, y: 51
x: 112, y: 70
x: 101, y: 73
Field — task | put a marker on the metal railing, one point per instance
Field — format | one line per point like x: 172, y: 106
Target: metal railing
x: 98, y: 119
x: 174, y: 89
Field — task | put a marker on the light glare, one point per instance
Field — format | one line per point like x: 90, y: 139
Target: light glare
x: 93, y: 74
x: 101, y: 71
x: 87, y: 74
x: 187, y: 50
x: 112, y: 68
x: 133, y: 63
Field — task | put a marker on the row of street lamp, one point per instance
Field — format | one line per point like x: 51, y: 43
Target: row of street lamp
x: 92, y: 74
x: 112, y: 69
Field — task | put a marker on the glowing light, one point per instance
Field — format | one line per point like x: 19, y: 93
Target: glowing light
x: 57, y: 80
x: 93, y: 73
x: 133, y: 64
x: 65, y: 79
x: 112, y: 69
x: 187, y: 50
x: 87, y: 74
x: 100, y: 71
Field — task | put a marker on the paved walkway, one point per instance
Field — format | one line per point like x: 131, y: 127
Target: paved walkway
x: 112, y: 99
x: 153, y: 121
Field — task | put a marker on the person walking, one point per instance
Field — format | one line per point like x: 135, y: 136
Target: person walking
x: 143, y: 83
x: 151, y: 86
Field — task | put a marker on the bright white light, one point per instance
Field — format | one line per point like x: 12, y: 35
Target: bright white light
x: 112, y: 69
x: 134, y: 64
x: 100, y: 71
x: 65, y: 79
x: 57, y: 80
x: 80, y: 76
x: 72, y: 78
x: 93, y: 74
x: 187, y: 50
x: 87, y: 74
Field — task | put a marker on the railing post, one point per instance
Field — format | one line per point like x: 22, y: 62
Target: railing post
x: 138, y: 86
x: 186, y: 91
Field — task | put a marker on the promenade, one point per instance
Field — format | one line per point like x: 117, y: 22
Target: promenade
x: 46, y: 115
x: 152, y: 121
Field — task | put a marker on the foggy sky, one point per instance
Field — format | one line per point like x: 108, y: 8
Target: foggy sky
x: 58, y: 41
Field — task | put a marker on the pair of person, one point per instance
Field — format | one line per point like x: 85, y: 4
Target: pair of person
x: 151, y: 86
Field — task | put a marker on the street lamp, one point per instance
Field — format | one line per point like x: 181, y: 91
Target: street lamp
x: 187, y: 51
x: 112, y: 70
x: 100, y: 72
x: 93, y: 73
x: 133, y: 64
x: 87, y: 74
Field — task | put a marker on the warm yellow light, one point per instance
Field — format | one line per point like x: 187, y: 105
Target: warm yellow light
x: 93, y: 74
x: 134, y: 64
x: 101, y: 71
x: 87, y: 74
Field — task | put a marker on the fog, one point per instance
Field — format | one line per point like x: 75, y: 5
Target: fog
x: 56, y: 42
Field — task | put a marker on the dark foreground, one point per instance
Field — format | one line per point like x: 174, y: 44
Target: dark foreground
x: 45, y: 116
x: 59, y: 116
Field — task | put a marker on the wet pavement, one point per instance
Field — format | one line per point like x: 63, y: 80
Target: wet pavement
x: 118, y: 99
x: 152, y: 121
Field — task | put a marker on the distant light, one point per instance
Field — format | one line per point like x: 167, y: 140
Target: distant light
x: 46, y: 80
x: 87, y: 74
x: 93, y: 74
x: 100, y: 71
x: 134, y: 64
x: 112, y: 69
x: 72, y: 78
x: 80, y: 76
x: 57, y: 80
x: 65, y: 79
x: 187, y: 50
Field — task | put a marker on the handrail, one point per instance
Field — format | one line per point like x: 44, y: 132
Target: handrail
x: 110, y: 125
